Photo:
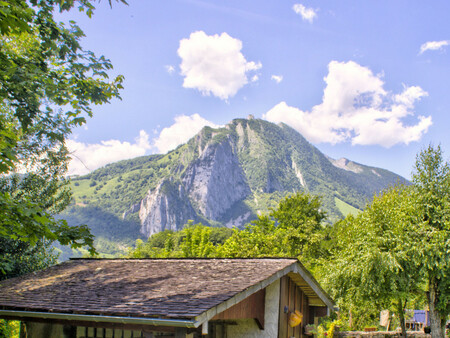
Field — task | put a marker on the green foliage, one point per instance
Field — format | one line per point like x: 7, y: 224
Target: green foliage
x: 327, y: 327
x: 373, y: 263
x: 345, y: 208
x: 293, y: 229
x: 194, y: 240
x: 48, y: 85
x: 300, y: 236
x: 9, y: 328
x: 218, y: 235
x: 23, y: 218
x: 259, y: 239
x: 397, y: 249
x: 19, y: 257
x: 299, y: 210
x: 431, y: 180
x: 113, y: 235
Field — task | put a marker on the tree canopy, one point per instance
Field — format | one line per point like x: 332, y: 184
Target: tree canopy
x: 396, y: 252
x: 431, y: 180
x: 293, y: 229
x: 373, y: 261
x: 48, y: 85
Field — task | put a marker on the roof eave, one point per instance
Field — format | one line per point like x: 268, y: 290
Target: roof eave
x: 309, y: 278
x: 23, y: 315
x: 295, y: 267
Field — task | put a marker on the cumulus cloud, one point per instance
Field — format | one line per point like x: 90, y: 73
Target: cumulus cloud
x: 180, y: 132
x: 410, y: 95
x: 277, y: 78
x: 355, y: 107
x: 87, y: 157
x: 433, y: 45
x: 170, y: 69
x: 255, y: 78
x: 307, y: 14
x: 214, y: 64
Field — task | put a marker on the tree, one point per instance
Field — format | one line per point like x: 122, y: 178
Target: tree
x: 293, y: 229
x: 259, y: 239
x: 300, y: 210
x: 19, y: 257
x: 373, y: 265
x: 295, y: 232
x: 431, y: 180
x: 302, y: 216
x: 196, y: 242
x: 400, y: 245
x: 48, y: 84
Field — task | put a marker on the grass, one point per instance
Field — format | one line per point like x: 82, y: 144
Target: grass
x: 344, y: 208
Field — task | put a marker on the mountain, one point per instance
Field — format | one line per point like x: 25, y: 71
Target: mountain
x: 222, y: 176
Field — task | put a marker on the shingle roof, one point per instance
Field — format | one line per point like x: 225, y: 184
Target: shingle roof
x: 163, y: 288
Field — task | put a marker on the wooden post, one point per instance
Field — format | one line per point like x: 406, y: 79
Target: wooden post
x: 23, y: 330
x: 205, y: 328
x: 316, y: 323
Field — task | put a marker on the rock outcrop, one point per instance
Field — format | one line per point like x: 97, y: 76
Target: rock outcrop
x: 165, y: 208
x: 215, y: 181
x: 209, y: 187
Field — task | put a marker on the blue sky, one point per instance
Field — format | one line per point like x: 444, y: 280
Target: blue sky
x: 365, y: 80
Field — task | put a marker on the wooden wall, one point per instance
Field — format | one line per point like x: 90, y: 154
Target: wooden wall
x: 250, y: 307
x: 293, y: 298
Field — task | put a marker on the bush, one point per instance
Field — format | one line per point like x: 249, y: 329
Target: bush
x: 9, y: 328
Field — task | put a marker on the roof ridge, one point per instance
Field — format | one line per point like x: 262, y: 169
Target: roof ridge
x: 181, y: 258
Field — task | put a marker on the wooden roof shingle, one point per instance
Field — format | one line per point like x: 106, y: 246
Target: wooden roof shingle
x: 148, y: 288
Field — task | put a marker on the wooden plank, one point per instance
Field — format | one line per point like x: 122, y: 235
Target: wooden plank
x: 283, y: 319
x: 297, y: 295
x: 291, y: 285
x: 251, y: 307
x: 302, y: 301
x: 305, y: 310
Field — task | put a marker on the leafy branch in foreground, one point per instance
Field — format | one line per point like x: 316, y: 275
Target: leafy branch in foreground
x: 48, y: 84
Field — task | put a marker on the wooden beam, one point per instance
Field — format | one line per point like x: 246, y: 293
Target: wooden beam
x: 144, y: 328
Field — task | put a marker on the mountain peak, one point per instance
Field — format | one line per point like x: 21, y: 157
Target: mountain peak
x: 346, y: 164
x: 227, y: 176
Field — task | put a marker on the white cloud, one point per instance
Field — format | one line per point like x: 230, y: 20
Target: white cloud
x: 410, y: 95
x: 87, y: 157
x: 214, y: 64
x: 180, y: 132
x: 433, y: 45
x: 355, y: 107
x: 277, y: 78
x: 170, y: 69
x: 307, y: 14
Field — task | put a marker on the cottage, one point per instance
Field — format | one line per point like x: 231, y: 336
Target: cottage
x: 165, y: 298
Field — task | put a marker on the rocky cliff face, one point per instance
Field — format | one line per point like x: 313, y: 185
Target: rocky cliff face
x: 209, y: 186
x: 215, y: 181
x: 227, y: 176
x: 165, y: 208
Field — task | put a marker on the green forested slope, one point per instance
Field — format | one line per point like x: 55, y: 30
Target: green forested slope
x: 274, y: 159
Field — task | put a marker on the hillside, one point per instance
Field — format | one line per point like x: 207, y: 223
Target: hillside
x: 220, y: 177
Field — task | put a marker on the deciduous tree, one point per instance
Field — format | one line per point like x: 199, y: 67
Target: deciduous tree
x: 431, y: 180
x: 48, y: 84
x: 374, y: 258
